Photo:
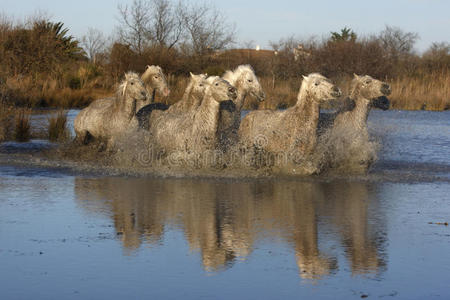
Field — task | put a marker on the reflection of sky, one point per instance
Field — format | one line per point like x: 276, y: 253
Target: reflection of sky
x: 263, y: 21
x: 412, y: 136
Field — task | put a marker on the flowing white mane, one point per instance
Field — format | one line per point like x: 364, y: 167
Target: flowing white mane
x: 233, y: 76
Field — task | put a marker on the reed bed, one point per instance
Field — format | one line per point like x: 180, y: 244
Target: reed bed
x: 22, y: 131
x: 426, y: 92
x: 57, y: 126
x: 25, y: 91
x: 6, y: 121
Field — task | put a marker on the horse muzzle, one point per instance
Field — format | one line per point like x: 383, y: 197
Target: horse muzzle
x: 336, y: 92
x: 261, y: 96
x: 386, y: 89
x: 232, y: 93
x: 381, y: 103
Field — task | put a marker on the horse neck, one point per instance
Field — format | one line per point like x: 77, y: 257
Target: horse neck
x: 187, y: 92
x: 189, y: 100
x: 361, y: 111
x: 150, y: 86
x: 241, y: 94
x: 207, y: 114
x: 307, y: 110
x: 308, y: 105
x: 126, y: 106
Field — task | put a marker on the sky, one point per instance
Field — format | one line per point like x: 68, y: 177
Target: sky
x: 263, y: 21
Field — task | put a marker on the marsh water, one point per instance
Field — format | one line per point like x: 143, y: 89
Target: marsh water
x: 69, y: 235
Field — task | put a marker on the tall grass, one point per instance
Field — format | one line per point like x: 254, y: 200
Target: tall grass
x: 22, y: 131
x: 6, y: 121
x: 427, y: 92
x: 57, y: 126
x: 26, y: 91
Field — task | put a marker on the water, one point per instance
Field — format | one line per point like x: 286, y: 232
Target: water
x: 73, y: 236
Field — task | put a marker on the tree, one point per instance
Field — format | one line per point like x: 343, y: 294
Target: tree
x: 135, y: 24
x: 94, y: 43
x: 207, y: 29
x: 56, y: 31
x: 167, y: 23
x: 397, y: 42
x: 346, y: 35
x: 197, y: 29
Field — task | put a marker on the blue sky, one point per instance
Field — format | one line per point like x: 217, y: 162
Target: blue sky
x: 263, y: 21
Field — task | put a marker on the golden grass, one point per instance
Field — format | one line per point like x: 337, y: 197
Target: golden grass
x: 22, y: 131
x: 25, y: 91
x: 57, y: 126
x: 279, y: 94
x: 429, y: 92
x: 6, y: 121
x: 177, y: 86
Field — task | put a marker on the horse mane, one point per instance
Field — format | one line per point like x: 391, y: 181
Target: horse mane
x: 121, y: 89
x: 354, y: 87
x: 232, y: 75
x: 150, y: 70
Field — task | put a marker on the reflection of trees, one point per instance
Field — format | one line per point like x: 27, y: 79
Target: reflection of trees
x: 222, y: 220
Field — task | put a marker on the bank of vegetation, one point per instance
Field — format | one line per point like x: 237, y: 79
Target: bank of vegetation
x: 44, y: 66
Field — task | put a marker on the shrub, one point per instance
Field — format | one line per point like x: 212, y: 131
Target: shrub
x: 57, y: 126
x: 6, y: 121
x: 75, y: 83
x: 22, y: 131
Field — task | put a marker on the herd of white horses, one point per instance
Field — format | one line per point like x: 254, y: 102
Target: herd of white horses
x: 208, y: 117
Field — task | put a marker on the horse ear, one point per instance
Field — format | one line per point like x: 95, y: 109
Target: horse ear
x: 304, y: 77
x: 192, y: 75
x: 356, y: 76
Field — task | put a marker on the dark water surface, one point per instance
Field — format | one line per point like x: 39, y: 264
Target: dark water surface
x: 71, y: 236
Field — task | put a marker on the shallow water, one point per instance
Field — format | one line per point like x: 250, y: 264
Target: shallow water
x: 73, y: 236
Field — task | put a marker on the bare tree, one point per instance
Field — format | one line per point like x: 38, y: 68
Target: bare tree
x: 135, y: 24
x: 93, y: 43
x: 397, y: 42
x: 436, y: 49
x: 207, y: 29
x: 167, y: 23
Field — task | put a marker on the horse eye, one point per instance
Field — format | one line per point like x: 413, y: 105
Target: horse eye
x: 316, y: 84
x: 250, y: 80
x: 132, y: 83
x: 367, y: 81
x: 217, y: 84
x: 156, y: 77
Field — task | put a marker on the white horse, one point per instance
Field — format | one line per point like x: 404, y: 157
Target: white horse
x: 292, y: 131
x: 243, y: 78
x: 155, y: 81
x: 196, y: 129
x: 344, y: 137
x: 105, y: 120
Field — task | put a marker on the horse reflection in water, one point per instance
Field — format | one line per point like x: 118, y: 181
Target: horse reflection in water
x: 223, y: 220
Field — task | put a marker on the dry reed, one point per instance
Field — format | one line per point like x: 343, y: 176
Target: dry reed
x: 427, y: 92
x: 22, y: 131
x: 57, y: 126
x: 6, y: 121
